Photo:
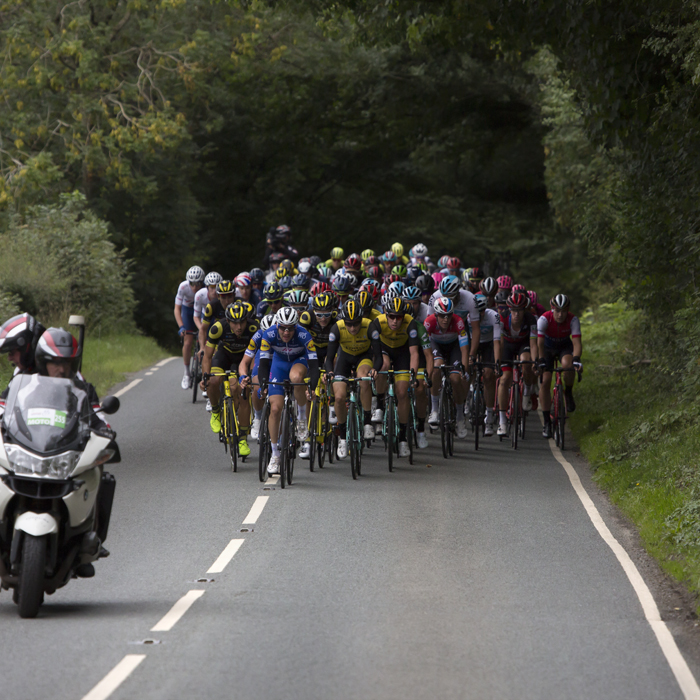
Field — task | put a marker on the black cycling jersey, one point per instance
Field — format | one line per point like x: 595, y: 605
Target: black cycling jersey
x: 318, y: 333
x: 220, y: 335
x: 213, y: 312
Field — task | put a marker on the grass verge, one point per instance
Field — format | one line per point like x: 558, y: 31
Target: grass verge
x: 642, y: 441
x: 108, y: 359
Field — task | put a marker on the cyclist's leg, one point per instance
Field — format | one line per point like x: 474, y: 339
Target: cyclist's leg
x: 567, y: 362
x: 528, y: 377
x: 546, y: 390
x: 363, y: 368
x: 438, y: 361
x: 381, y: 385
x: 401, y: 362
x: 486, y: 353
x: 279, y: 371
x: 297, y: 374
x: 509, y: 353
x: 187, y: 313
x: 220, y: 363
x: 342, y: 370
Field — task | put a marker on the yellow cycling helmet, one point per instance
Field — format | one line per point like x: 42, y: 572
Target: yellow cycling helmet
x: 396, y: 306
x: 224, y: 287
x: 352, y: 312
x: 364, y: 299
x: 338, y: 254
x: 367, y: 253
x: 397, y: 248
x: 324, y: 302
x: 236, y: 312
x: 281, y: 272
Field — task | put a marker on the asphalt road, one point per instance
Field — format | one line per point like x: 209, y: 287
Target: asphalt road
x: 477, y: 577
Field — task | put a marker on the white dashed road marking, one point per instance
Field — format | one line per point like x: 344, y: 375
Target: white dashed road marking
x: 255, y: 511
x: 225, y: 557
x: 177, y: 611
x: 115, y: 677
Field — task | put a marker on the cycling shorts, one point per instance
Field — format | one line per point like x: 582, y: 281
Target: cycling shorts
x: 555, y: 351
x: 513, y: 351
x: 449, y: 353
x: 280, y: 371
x: 224, y: 361
x: 187, y: 313
x: 485, y: 353
x: 400, y: 359
x: 345, y: 363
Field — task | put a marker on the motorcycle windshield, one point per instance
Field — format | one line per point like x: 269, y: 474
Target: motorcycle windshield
x: 45, y: 414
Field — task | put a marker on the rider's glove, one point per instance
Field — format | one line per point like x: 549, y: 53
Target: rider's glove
x: 498, y: 370
x: 182, y: 330
x: 577, y: 361
x: 541, y: 363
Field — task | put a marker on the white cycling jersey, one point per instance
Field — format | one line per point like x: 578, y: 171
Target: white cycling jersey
x: 185, y: 295
x: 464, y: 304
x: 489, y: 325
x: 423, y: 312
x: 201, y: 299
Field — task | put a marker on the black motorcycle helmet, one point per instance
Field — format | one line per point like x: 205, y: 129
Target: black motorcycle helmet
x: 57, y: 344
x: 21, y: 332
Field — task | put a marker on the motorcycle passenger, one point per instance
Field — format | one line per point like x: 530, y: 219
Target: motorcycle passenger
x: 19, y: 336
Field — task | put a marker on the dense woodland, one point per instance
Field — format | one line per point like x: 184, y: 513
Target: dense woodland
x: 557, y: 141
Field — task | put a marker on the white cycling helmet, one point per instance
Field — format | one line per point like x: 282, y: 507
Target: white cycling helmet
x: 287, y: 316
x: 213, y: 278
x: 450, y: 286
x: 267, y: 321
x: 195, y: 274
x: 420, y: 250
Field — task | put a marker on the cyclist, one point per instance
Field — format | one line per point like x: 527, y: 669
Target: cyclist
x: 215, y: 310
x: 230, y: 337
x: 536, y: 308
x: 273, y: 299
x: 287, y: 351
x: 335, y: 262
x: 558, y: 337
x: 474, y: 279
x: 420, y: 311
x: 418, y: 254
x: 366, y: 301
x: 184, y: 315
x: 426, y: 284
x: 489, y: 288
x: 489, y: 350
x: 450, y: 344
x: 342, y: 286
x: 519, y: 342
x: 397, y: 250
x: 19, y: 336
x: 244, y: 289
x: 205, y: 296
x: 395, y: 342
x: 349, y: 349
x: 278, y: 242
x: 250, y: 377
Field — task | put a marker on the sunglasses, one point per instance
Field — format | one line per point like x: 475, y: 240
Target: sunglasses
x: 287, y: 329
x: 394, y: 317
x: 353, y: 324
x: 444, y: 315
x: 323, y: 314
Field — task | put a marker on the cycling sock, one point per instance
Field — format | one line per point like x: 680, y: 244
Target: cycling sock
x: 301, y: 412
x: 489, y: 414
x: 343, y: 430
x: 275, y: 450
x: 460, y: 410
x: 258, y: 414
x: 402, y: 432
x: 547, y: 417
x: 421, y: 425
x: 503, y: 417
x: 368, y: 417
x: 526, y: 390
x: 434, y: 403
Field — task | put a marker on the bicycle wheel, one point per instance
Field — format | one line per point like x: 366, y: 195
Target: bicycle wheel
x: 477, y: 416
x: 555, y: 417
x: 313, y: 432
x: 410, y: 432
x: 195, y: 374
x: 231, y: 435
x: 292, y: 447
x: 284, y: 445
x: 265, y: 449
x: 562, y: 419
x: 452, y: 428
x: 443, y: 412
x: 390, y: 427
x: 359, y: 428
x: 515, y: 416
x: 351, y: 437
x: 324, y: 435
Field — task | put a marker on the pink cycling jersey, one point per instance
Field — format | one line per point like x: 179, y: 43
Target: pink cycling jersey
x: 549, y: 329
x: 455, y: 331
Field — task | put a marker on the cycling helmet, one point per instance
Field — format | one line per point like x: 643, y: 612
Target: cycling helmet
x: 488, y: 286
x: 475, y: 274
x: 517, y: 300
x: 304, y: 267
x: 442, y: 262
x: 337, y: 254
x: 286, y: 283
x: 341, y: 285
x: 396, y: 306
x: 502, y: 297
x: 249, y: 309
x: 419, y: 250
x: 352, y: 311
x: 465, y: 277
x: 372, y: 286
x: 319, y: 288
x: 281, y: 272
x: 389, y: 256
x: 518, y: 288
x: 397, y: 287
x: 325, y: 271
x: 426, y: 284
x: 194, y: 274
x: 532, y: 296
x: 21, y: 333
x: 413, y: 272
x: 57, y: 344
x: 225, y: 287
x: 438, y: 277
x: 257, y: 276
x: 371, y: 260
x: 272, y: 292
x: 267, y: 321
x: 480, y: 302
x: 213, y: 278
x: 453, y: 264
x: 324, y: 302
x: 287, y: 265
x: 315, y: 260
x: 297, y: 297
x: 444, y: 306
x: 399, y: 270
x: 243, y: 280
x: 366, y: 254
x: 287, y: 316
x: 505, y: 282
x: 449, y: 287
x: 364, y: 299
x: 411, y: 293
x: 236, y: 312
x: 301, y: 281
x: 353, y: 262
x: 560, y: 302
x: 373, y: 271
x: 397, y: 250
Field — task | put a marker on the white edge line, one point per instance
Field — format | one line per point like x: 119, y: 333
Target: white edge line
x: 115, y: 677
x: 225, y: 557
x: 130, y: 385
x: 255, y: 511
x: 169, y: 620
x: 166, y: 360
x: 684, y: 676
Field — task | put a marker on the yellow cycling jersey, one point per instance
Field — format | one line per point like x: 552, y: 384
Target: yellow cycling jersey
x: 352, y: 344
x: 394, y: 339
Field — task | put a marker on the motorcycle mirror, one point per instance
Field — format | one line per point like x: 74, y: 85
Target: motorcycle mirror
x: 110, y: 405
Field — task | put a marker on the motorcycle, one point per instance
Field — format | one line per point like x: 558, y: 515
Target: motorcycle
x: 55, y: 497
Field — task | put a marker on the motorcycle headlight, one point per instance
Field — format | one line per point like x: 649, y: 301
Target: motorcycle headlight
x: 57, y: 467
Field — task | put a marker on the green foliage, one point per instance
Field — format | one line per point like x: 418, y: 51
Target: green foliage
x: 59, y: 260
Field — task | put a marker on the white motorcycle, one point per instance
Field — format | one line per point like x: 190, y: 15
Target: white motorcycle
x: 55, y: 497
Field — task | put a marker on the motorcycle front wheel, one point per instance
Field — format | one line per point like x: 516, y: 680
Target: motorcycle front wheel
x: 31, y: 578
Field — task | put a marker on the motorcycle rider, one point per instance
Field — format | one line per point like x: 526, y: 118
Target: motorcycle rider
x: 19, y: 336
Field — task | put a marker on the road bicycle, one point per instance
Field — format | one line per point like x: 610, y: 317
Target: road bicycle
x: 516, y: 416
x: 320, y: 429
x: 195, y: 370
x: 390, y: 425
x: 230, y: 433
x: 355, y: 424
x: 287, y: 431
x: 476, y: 401
x: 446, y: 409
x: 559, y: 406
x: 265, y: 447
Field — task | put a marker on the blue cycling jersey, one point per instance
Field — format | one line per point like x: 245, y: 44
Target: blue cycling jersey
x: 301, y: 345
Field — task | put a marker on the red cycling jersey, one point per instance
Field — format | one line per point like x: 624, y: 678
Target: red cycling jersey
x: 456, y: 330
x: 549, y: 329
